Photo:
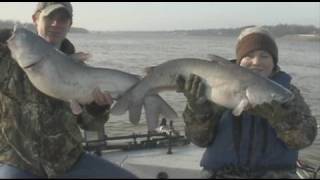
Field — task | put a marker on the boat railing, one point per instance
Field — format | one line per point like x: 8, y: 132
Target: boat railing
x: 166, y: 136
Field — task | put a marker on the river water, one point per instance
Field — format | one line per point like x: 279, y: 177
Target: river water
x: 132, y: 52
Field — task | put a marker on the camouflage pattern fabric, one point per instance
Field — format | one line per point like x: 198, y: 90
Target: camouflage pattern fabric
x: 230, y: 173
x: 292, y: 121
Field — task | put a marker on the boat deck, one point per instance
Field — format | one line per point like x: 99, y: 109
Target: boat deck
x: 182, y: 163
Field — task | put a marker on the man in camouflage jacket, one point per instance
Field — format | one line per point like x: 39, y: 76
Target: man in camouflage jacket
x: 39, y: 136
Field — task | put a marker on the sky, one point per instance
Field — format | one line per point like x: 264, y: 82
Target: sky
x: 154, y: 16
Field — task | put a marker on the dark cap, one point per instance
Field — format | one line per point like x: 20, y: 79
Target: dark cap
x: 48, y: 7
x: 256, y: 38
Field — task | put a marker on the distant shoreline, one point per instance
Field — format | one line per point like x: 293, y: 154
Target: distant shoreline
x: 279, y: 31
x: 307, y: 32
x: 309, y: 37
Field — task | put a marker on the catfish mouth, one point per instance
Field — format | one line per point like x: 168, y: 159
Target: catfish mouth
x: 31, y: 65
x: 34, y: 63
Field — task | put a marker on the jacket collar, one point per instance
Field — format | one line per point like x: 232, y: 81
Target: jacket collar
x: 67, y: 47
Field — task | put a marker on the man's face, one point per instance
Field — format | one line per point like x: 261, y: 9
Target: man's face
x: 54, y: 27
x: 258, y: 61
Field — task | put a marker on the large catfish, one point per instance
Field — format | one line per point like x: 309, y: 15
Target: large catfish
x: 63, y: 77
x: 227, y: 84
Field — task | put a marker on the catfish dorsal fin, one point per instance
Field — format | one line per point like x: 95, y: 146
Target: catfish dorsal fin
x: 218, y: 59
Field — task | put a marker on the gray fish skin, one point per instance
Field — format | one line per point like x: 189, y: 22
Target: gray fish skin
x: 62, y: 77
x: 227, y: 84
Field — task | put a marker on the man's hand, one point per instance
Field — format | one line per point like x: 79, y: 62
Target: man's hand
x: 102, y: 102
x: 101, y: 98
x: 193, y: 89
x: 80, y: 56
x: 273, y: 111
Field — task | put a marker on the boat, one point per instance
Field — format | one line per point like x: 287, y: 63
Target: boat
x: 163, y: 154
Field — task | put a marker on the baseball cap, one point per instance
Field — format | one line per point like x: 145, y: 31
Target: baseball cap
x: 48, y: 7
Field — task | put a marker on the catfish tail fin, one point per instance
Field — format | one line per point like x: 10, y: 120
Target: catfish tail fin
x: 126, y: 103
x: 154, y: 106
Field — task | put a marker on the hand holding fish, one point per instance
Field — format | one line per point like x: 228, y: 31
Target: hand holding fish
x: 274, y: 111
x: 81, y: 56
x: 194, y: 90
x: 101, y: 101
x: 101, y: 98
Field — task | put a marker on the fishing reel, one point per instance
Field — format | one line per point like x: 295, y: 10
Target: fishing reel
x: 164, y: 128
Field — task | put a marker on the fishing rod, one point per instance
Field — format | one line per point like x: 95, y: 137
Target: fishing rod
x: 164, y: 137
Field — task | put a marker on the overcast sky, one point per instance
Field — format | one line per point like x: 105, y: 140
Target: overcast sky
x: 109, y: 16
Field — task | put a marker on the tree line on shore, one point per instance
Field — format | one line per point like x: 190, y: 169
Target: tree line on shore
x: 277, y: 30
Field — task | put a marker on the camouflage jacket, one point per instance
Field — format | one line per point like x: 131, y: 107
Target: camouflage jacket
x: 38, y: 133
x: 297, y: 129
